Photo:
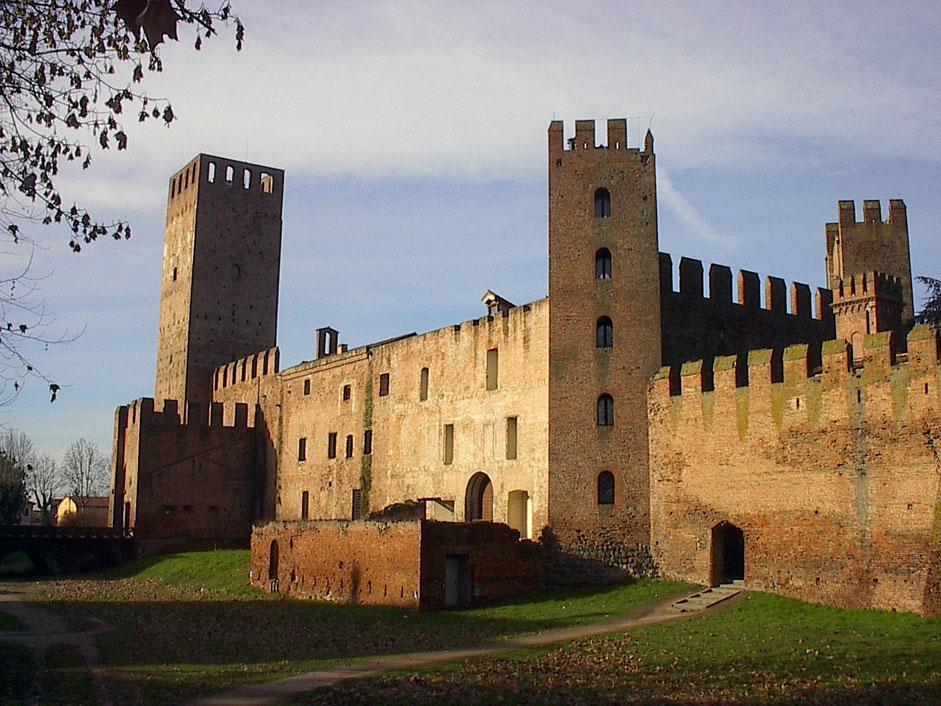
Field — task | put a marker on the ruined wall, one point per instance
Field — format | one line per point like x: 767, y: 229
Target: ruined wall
x: 602, y: 207
x: 221, y: 269
x: 696, y: 326
x: 407, y: 458
x: 184, y: 483
x: 392, y: 563
x: 833, y: 477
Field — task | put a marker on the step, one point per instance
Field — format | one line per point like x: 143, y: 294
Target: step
x: 708, y: 597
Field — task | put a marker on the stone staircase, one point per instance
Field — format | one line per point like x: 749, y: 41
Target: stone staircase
x: 708, y: 597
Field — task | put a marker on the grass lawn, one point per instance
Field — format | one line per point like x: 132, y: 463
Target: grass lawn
x: 761, y: 650
x: 189, y: 624
x: 8, y: 622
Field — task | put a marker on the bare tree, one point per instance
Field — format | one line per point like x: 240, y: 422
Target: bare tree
x: 84, y: 470
x: 16, y: 458
x: 44, y: 484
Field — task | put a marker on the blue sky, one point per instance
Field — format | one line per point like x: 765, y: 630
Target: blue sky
x: 414, y: 140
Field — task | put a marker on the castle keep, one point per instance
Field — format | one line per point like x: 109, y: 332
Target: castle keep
x: 787, y: 437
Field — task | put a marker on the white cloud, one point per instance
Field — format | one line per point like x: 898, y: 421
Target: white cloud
x: 674, y: 200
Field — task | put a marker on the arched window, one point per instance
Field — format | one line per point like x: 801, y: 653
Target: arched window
x: 602, y: 203
x: 606, y: 488
x: 603, y: 264
x: 604, y: 333
x: 606, y: 411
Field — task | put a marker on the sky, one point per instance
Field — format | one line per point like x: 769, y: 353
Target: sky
x: 413, y: 135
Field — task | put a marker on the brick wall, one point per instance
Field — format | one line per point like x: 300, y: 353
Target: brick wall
x: 834, y: 478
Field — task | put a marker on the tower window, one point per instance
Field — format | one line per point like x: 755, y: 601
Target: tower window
x: 174, y: 274
x: 211, y: 172
x: 423, y: 385
x: 367, y: 442
x: 332, y: 445
x: 448, y: 444
x: 302, y: 449
x: 602, y: 203
x: 349, y: 446
x: 236, y: 271
x: 357, y: 513
x: 604, y: 333
x: 492, y: 368
x: 229, y: 174
x: 603, y: 264
x: 384, y: 384
x: 606, y: 411
x: 511, y: 426
x: 307, y: 387
x: 347, y: 393
x: 305, y: 505
x: 606, y: 488
x: 246, y: 179
x: 267, y: 183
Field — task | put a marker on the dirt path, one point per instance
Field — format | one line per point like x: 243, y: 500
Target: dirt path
x: 44, y: 630
x: 278, y: 690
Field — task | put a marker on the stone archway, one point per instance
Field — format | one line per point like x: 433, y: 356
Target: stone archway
x: 728, y: 553
x: 478, y: 498
x: 273, y: 557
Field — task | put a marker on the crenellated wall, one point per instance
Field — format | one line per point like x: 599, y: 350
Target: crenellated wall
x: 185, y: 481
x: 697, y: 326
x: 832, y: 472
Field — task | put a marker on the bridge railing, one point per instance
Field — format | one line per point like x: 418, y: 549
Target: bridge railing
x: 63, y: 531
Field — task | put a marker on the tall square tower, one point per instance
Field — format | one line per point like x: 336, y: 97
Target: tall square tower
x: 221, y: 268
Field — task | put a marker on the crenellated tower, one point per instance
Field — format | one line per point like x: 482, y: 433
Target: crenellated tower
x: 604, y: 337
x: 221, y: 266
x: 871, y: 245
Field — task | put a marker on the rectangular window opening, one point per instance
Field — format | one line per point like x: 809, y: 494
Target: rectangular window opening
x: 492, y: 368
x: 357, y: 513
x: 349, y: 446
x: 423, y: 385
x: 367, y: 442
x: 307, y: 387
x: 332, y: 445
x: 302, y: 449
x: 448, y: 444
x: 511, y: 426
x: 384, y: 384
x: 347, y: 393
x: 305, y: 505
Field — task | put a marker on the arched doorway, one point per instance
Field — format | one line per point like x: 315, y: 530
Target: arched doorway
x: 273, y: 555
x: 478, y: 499
x: 728, y: 553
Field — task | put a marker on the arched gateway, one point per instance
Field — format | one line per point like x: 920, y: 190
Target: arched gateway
x: 478, y: 499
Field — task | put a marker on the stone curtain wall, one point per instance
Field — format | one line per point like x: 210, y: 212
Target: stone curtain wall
x: 834, y: 477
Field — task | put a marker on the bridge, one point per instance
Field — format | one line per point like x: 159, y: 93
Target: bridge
x: 56, y: 550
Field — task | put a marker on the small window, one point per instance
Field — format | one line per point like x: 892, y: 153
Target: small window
x: 423, y: 385
x: 347, y: 392
x: 236, y: 271
x: 349, y: 446
x: 493, y: 362
x: 174, y: 274
x: 603, y: 264
x: 511, y: 438
x: 305, y: 505
x: 606, y: 411
x: 448, y: 444
x: 267, y: 183
x: 604, y: 333
x: 332, y: 445
x: 367, y: 442
x: 246, y: 179
x: 212, y: 172
x: 606, y: 488
x: 602, y: 203
x: 357, y: 513
x: 302, y: 449
x: 307, y: 387
x: 229, y: 174
x: 384, y: 384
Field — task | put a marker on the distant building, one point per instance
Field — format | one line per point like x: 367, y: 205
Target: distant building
x: 82, y: 511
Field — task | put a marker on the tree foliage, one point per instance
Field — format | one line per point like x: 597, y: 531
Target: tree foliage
x: 930, y: 314
x: 71, y: 71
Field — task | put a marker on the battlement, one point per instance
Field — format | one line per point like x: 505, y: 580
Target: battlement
x: 872, y: 213
x: 584, y: 138
x: 748, y: 287
x: 143, y: 414
x: 868, y: 284
x: 798, y: 366
x: 261, y: 364
x: 240, y: 178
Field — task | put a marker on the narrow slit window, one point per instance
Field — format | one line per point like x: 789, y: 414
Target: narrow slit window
x: 606, y: 488
x: 307, y: 387
x: 384, y: 384
x: 357, y: 509
x: 604, y: 333
x: 267, y: 183
x: 606, y: 411
x: 229, y: 174
x: 246, y: 179
x: 332, y: 445
x: 603, y: 264
x: 448, y: 444
x: 423, y: 385
x: 347, y: 393
x: 302, y: 449
x: 367, y: 442
x: 211, y: 172
x: 305, y: 505
x: 511, y: 429
x: 349, y: 446
x: 602, y: 203
x: 493, y: 361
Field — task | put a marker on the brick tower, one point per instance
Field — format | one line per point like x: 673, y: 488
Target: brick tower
x: 604, y: 338
x: 871, y: 245
x: 221, y: 263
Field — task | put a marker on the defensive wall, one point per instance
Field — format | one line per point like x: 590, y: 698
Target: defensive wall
x: 185, y: 481
x: 831, y: 471
x: 415, y: 564
x: 695, y: 325
x: 458, y: 414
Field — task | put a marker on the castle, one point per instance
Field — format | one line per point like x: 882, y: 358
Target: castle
x: 789, y: 440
